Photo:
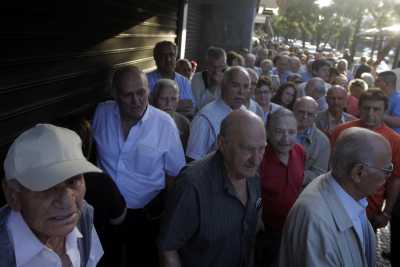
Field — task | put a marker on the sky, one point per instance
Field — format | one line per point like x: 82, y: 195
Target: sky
x: 323, y: 3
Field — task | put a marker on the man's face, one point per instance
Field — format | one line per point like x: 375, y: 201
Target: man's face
x: 282, y: 136
x: 244, y: 151
x: 253, y: 84
x: 380, y: 83
x: 166, y: 59
x: 263, y: 95
x: 215, y: 70
x: 305, y: 113
x: 371, y: 113
x: 53, y: 212
x: 323, y: 73
x: 282, y: 64
x: 184, y: 68
x: 132, y: 96
x: 236, y: 90
x: 168, y: 99
x: 336, y: 100
x: 266, y: 67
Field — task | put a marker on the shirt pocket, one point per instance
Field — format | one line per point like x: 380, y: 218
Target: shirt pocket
x: 145, y: 159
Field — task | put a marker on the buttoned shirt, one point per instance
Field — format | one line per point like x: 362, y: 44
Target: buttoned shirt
x: 30, y: 252
x: 354, y: 209
x: 204, y: 219
x: 185, y: 89
x: 139, y: 163
x: 394, y: 106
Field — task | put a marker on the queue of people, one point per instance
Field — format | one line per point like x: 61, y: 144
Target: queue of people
x: 275, y: 157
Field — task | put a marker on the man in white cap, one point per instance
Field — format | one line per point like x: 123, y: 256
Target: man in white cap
x: 46, y: 221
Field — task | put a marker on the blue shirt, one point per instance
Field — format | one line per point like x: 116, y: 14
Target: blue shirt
x: 139, y: 163
x: 185, y: 89
x: 354, y: 209
x: 394, y: 106
x: 282, y: 76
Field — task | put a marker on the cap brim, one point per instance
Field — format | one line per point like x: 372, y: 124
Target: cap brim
x: 45, y: 177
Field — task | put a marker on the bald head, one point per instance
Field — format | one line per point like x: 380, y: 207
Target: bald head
x: 128, y: 72
x: 235, y: 86
x: 242, y: 140
x: 336, y: 98
x: 354, y: 162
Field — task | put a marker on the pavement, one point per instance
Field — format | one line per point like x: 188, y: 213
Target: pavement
x: 383, y: 240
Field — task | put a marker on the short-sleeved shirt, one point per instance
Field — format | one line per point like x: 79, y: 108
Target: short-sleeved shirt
x: 280, y: 185
x: 200, y: 89
x: 394, y: 106
x: 375, y: 201
x: 185, y: 89
x: 139, y: 163
x: 204, y: 219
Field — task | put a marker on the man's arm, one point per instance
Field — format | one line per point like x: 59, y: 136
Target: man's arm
x: 170, y: 259
x: 392, y: 121
x: 392, y: 191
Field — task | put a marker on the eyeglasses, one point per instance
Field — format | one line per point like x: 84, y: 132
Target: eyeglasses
x: 386, y: 170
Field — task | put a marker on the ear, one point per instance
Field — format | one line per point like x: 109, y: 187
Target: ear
x: 357, y: 172
x: 11, y: 193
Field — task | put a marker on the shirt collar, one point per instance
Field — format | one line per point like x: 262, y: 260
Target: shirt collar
x: 26, y: 244
x: 332, y: 119
x: 353, y: 208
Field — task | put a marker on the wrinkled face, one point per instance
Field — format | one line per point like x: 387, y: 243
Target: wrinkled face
x: 342, y: 66
x: 288, y: 95
x: 235, y: 91
x: 323, y: 73
x: 282, y: 136
x: 263, y: 95
x: 371, y: 113
x: 244, y: 150
x: 215, y: 70
x: 168, y: 99
x: 250, y: 60
x: 266, y: 67
x: 373, y: 174
x: 336, y: 100
x: 53, y: 212
x: 184, y: 68
x: 380, y: 83
x: 305, y: 114
x: 132, y: 96
x: 166, y: 59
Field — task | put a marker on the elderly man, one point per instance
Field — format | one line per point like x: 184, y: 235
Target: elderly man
x: 46, y: 221
x: 327, y: 225
x: 139, y: 147
x: 372, y: 105
x: 386, y: 81
x: 319, y: 69
x: 164, y: 54
x: 206, y: 124
x: 206, y: 84
x: 314, y: 141
x: 327, y: 120
x: 212, y: 212
x: 250, y: 60
x: 281, y: 63
x: 281, y: 174
x: 263, y: 94
x: 316, y: 88
x: 184, y: 68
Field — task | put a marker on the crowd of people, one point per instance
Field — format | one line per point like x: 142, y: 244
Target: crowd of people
x: 270, y: 157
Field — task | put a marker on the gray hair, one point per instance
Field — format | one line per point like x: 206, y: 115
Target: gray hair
x: 216, y: 53
x: 161, y: 85
x: 369, y: 79
x: 319, y: 86
x: 279, y: 115
x: 121, y: 73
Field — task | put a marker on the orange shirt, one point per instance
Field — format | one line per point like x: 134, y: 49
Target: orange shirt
x: 375, y: 201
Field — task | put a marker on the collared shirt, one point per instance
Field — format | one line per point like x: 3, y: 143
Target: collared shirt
x: 354, y: 209
x: 202, y: 94
x: 305, y: 136
x: 280, y: 185
x: 282, y: 75
x: 272, y: 108
x: 326, y: 123
x: 394, y: 106
x: 204, y: 219
x: 205, y: 129
x: 375, y: 202
x: 30, y: 252
x: 185, y: 89
x: 139, y: 163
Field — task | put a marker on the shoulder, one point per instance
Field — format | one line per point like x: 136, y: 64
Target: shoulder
x: 181, y: 79
x: 160, y: 117
x: 106, y: 106
x: 152, y: 74
x: 344, y: 126
x: 320, y: 136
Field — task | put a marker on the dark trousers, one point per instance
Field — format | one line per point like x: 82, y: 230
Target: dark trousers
x: 267, y: 248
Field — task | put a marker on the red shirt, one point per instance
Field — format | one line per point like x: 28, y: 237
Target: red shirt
x: 280, y: 185
x: 375, y: 202
x: 352, y: 106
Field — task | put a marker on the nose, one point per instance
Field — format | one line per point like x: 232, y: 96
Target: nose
x: 65, y: 198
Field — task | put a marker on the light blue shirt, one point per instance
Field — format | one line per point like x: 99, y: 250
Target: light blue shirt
x: 394, y: 106
x: 354, y: 209
x: 185, y: 89
x: 139, y: 163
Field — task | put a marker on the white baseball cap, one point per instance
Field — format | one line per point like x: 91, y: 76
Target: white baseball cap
x: 45, y: 156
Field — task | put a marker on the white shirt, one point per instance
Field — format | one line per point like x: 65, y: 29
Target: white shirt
x: 139, y: 163
x: 30, y: 252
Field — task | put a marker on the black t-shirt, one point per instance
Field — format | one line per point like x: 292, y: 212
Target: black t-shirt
x: 108, y: 203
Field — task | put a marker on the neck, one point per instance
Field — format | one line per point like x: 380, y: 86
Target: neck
x: 266, y: 107
x: 167, y: 74
x: 335, y: 113
x: 348, y: 187
x: 57, y: 244
x: 283, y: 157
x: 301, y: 130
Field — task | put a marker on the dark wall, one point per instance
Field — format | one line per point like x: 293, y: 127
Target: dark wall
x: 57, y: 58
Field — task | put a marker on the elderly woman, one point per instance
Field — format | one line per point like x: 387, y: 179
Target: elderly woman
x: 355, y: 88
x: 263, y: 94
x: 166, y: 98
